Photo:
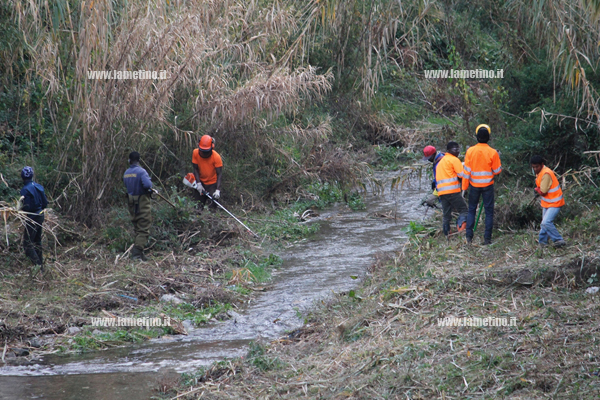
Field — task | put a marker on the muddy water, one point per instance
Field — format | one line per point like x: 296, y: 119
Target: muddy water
x: 345, y: 246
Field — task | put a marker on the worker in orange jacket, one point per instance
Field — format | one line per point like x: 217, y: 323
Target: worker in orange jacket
x: 552, y: 200
x: 448, y: 173
x: 482, y: 164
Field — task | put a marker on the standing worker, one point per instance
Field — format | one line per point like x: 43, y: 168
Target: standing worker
x: 139, y: 189
x: 208, y: 169
x: 448, y: 172
x: 482, y: 164
x: 34, y: 202
x: 548, y: 188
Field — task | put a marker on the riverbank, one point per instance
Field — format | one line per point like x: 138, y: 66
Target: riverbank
x: 384, y: 340
x: 201, y: 268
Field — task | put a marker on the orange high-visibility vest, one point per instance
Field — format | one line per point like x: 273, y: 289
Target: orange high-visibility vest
x: 447, y: 172
x: 554, y: 197
x: 482, y: 163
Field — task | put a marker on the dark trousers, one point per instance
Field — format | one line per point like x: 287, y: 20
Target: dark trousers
x: 488, y: 204
x: 202, y: 199
x: 32, y: 239
x: 453, y: 201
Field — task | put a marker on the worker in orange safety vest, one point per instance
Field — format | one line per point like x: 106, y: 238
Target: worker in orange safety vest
x: 482, y: 164
x: 448, y: 173
x: 552, y: 200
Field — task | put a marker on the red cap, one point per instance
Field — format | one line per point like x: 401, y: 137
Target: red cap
x: 428, y: 151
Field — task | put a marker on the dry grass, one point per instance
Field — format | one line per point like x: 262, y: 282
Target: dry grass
x: 388, y: 343
x: 235, y: 60
x: 84, y: 279
x: 569, y: 30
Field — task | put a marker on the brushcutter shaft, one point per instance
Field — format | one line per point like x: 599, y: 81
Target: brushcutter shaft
x: 227, y: 211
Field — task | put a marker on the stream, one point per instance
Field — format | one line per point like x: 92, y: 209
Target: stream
x: 345, y: 246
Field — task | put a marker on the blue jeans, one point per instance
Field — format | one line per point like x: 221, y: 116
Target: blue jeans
x: 488, y: 204
x: 547, y: 226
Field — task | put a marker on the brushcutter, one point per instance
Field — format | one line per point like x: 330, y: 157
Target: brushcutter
x: 190, y: 181
x: 227, y: 211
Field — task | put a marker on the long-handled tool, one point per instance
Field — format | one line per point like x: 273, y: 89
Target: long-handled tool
x: 227, y: 211
x: 478, y: 215
x: 164, y: 198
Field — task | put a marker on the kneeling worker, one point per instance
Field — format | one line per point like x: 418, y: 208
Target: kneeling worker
x: 433, y: 156
x: 208, y: 169
x: 139, y: 189
x: 448, y: 172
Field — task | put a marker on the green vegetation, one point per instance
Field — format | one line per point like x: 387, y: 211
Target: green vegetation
x: 198, y: 316
x: 90, y: 340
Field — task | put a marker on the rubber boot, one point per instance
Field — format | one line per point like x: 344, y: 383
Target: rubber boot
x: 40, y: 257
x: 446, y: 229
x: 137, y: 253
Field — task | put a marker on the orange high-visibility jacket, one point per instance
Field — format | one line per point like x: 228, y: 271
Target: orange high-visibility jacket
x: 554, y: 197
x: 447, y: 172
x: 482, y: 163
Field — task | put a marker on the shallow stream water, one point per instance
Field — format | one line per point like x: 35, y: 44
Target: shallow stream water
x: 345, y: 246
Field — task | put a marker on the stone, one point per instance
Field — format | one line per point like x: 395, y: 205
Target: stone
x: 73, y: 330
x: 21, y: 352
x: 188, y: 325
x: 169, y: 298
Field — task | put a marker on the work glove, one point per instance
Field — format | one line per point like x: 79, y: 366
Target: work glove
x: 20, y: 203
x: 200, y: 188
x: 538, y: 191
x: 217, y: 194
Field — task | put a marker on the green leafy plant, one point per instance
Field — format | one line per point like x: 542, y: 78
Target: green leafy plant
x: 356, y: 202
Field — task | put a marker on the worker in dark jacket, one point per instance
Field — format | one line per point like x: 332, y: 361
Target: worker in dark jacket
x: 139, y: 189
x: 34, y: 203
x: 433, y: 156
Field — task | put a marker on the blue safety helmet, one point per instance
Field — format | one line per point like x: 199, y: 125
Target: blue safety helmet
x: 27, y: 173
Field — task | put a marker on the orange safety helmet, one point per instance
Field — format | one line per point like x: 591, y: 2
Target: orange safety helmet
x: 206, y: 143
